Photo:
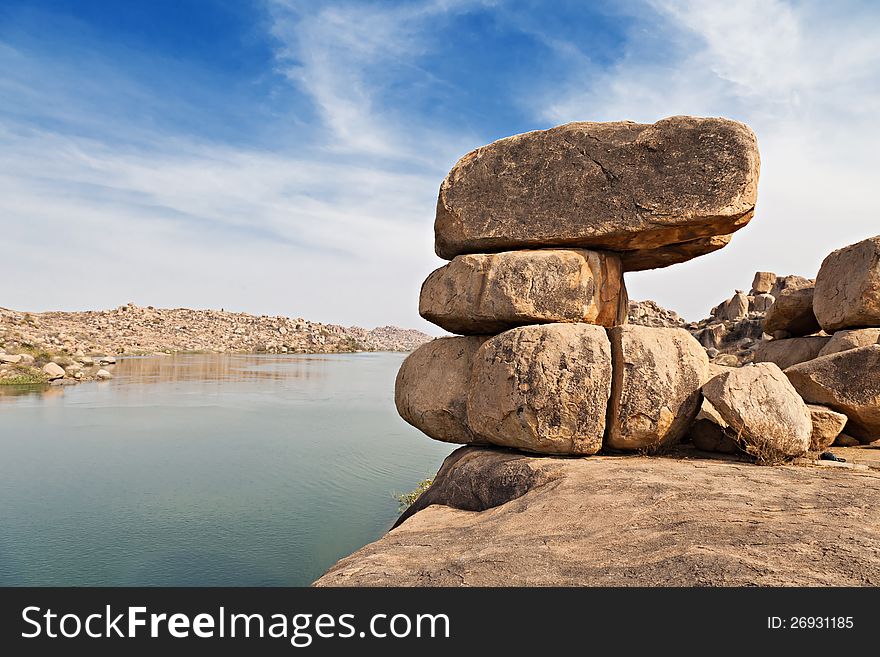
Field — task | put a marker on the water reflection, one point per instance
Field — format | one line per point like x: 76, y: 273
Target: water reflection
x: 215, y: 367
x: 179, y: 368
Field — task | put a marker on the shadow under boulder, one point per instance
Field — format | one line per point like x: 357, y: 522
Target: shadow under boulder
x: 476, y: 478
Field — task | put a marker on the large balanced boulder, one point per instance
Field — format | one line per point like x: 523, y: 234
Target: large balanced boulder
x: 765, y: 412
x: 655, y: 386
x: 827, y: 426
x: 432, y: 386
x: 847, y: 382
x: 490, y: 293
x: 791, y: 351
x: 851, y: 339
x: 792, y: 314
x: 848, y: 287
x: 617, y: 186
x: 542, y: 388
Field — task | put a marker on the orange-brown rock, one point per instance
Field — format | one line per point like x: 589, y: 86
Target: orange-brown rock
x: 650, y: 191
x: 490, y: 293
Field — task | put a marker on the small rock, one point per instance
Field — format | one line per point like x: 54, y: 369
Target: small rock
x: 10, y: 359
x: 827, y: 426
x: 53, y: 371
x: 103, y: 375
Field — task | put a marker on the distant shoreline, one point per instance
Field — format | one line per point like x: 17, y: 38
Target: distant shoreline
x: 69, y: 347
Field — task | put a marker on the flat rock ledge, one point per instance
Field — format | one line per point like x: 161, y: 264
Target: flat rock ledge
x: 677, y: 520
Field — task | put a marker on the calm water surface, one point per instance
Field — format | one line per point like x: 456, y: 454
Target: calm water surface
x: 204, y: 470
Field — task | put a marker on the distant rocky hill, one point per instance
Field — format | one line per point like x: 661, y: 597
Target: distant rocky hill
x: 132, y: 329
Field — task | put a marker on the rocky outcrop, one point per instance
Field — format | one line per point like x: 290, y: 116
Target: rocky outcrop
x: 827, y: 426
x: 634, y: 521
x: 542, y: 388
x: 769, y: 418
x: 133, y: 330
x: 617, y: 186
x: 650, y: 313
x: 851, y: 339
x: 655, y: 389
x: 790, y: 351
x: 847, y: 382
x: 432, y: 387
x: 490, y: 293
x: 848, y: 287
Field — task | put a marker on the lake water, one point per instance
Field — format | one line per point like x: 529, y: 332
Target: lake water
x: 204, y: 470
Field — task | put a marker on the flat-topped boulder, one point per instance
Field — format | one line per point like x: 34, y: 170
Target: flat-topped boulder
x: 432, y: 385
x: 763, y: 282
x: 847, y: 382
x: 618, y: 186
x: 490, y: 293
x: 770, y: 420
x: 791, y: 351
x: 655, y: 386
x: 542, y: 388
x: 848, y: 287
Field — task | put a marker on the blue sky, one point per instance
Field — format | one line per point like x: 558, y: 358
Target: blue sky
x: 283, y: 157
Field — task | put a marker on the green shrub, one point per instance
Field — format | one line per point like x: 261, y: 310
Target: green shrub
x: 405, y: 500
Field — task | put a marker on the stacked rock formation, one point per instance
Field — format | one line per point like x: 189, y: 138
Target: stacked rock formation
x: 540, y: 229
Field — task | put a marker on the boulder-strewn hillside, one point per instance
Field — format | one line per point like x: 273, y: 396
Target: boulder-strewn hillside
x: 132, y: 329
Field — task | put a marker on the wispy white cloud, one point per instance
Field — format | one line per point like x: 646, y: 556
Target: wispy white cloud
x: 805, y: 76
x: 332, y: 219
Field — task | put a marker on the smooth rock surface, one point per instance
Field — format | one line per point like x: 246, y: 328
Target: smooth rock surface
x: 432, y: 385
x: 617, y: 186
x: 847, y: 382
x: 638, y: 521
x: 851, y: 339
x: 791, y: 351
x: 792, y: 313
x: 542, y: 388
x: 848, y: 287
x: 490, y: 293
x: 769, y: 418
x: 827, y: 426
x: 655, y: 387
